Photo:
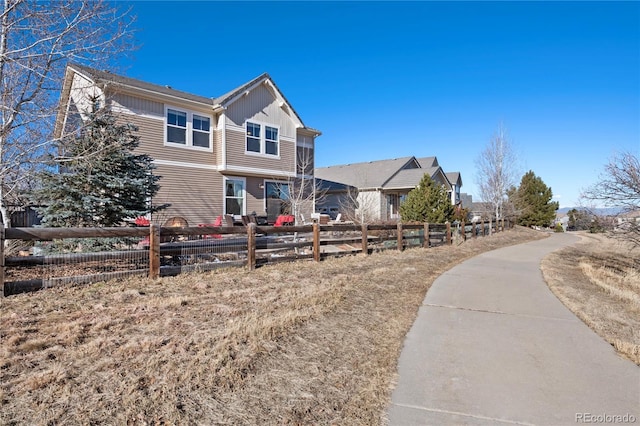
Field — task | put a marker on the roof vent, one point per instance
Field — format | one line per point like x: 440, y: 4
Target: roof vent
x: 168, y: 87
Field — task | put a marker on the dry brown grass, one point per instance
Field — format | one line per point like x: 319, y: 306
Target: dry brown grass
x: 598, y: 279
x: 297, y: 343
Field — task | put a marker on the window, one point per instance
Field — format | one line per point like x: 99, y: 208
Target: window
x: 176, y: 126
x: 201, y: 126
x: 253, y: 137
x: 271, y: 140
x: 262, y: 139
x: 234, y: 196
x: 188, y: 129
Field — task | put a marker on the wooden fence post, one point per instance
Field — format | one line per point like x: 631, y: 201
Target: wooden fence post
x: 251, y: 246
x: 316, y: 242
x: 365, y: 239
x: 449, y: 241
x: 482, y: 225
x: 464, y: 231
x: 490, y: 226
x: 154, y: 251
x: 400, y: 237
x: 2, y: 259
x: 426, y: 243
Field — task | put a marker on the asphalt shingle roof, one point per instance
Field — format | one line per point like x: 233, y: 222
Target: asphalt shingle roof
x: 409, y: 178
x: 454, y: 177
x: 428, y: 162
x: 372, y: 174
x: 106, y: 77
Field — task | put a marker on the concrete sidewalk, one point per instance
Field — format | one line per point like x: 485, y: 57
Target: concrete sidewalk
x: 493, y: 345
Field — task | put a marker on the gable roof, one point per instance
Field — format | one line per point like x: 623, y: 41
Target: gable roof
x: 103, y: 78
x: 397, y: 173
x: 454, y: 178
x: 428, y: 162
x: 230, y: 97
x: 372, y: 174
x: 410, y: 178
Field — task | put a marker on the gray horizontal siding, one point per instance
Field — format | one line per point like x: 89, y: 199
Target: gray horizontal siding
x: 255, y: 196
x: 194, y: 194
x: 236, y: 155
x: 151, y: 132
x: 138, y: 105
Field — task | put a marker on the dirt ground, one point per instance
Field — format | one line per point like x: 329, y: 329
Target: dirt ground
x: 598, y: 279
x: 296, y: 343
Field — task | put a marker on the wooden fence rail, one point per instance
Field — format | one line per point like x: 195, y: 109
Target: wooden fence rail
x: 256, y: 244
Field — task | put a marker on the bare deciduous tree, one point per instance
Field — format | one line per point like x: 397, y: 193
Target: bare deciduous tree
x: 359, y: 207
x: 619, y: 186
x: 37, y: 40
x: 496, y: 171
x: 301, y: 192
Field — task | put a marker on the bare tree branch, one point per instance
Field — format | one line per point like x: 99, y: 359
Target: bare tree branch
x: 496, y: 171
x: 619, y: 187
x: 37, y: 40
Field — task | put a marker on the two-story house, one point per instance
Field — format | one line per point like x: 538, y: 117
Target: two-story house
x: 235, y: 154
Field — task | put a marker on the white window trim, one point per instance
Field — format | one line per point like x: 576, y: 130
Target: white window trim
x: 263, y: 139
x: 244, y: 193
x: 189, y: 140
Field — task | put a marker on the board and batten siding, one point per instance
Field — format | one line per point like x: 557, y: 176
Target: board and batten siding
x: 262, y: 105
x: 194, y: 194
x: 259, y: 164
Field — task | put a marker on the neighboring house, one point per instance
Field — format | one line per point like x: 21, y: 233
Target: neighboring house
x: 383, y: 185
x: 628, y: 220
x: 236, y: 154
x: 466, y: 201
x: 563, y: 220
x: 481, y: 211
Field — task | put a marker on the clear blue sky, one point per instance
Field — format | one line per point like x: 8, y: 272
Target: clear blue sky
x: 392, y: 79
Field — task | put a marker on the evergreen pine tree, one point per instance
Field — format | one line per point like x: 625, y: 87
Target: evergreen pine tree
x: 97, y: 180
x: 427, y: 202
x: 532, y: 200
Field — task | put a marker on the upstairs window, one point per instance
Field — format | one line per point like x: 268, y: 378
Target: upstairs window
x: 253, y: 137
x: 271, y: 140
x: 201, y: 126
x: 188, y: 129
x: 176, y: 126
x: 262, y: 139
